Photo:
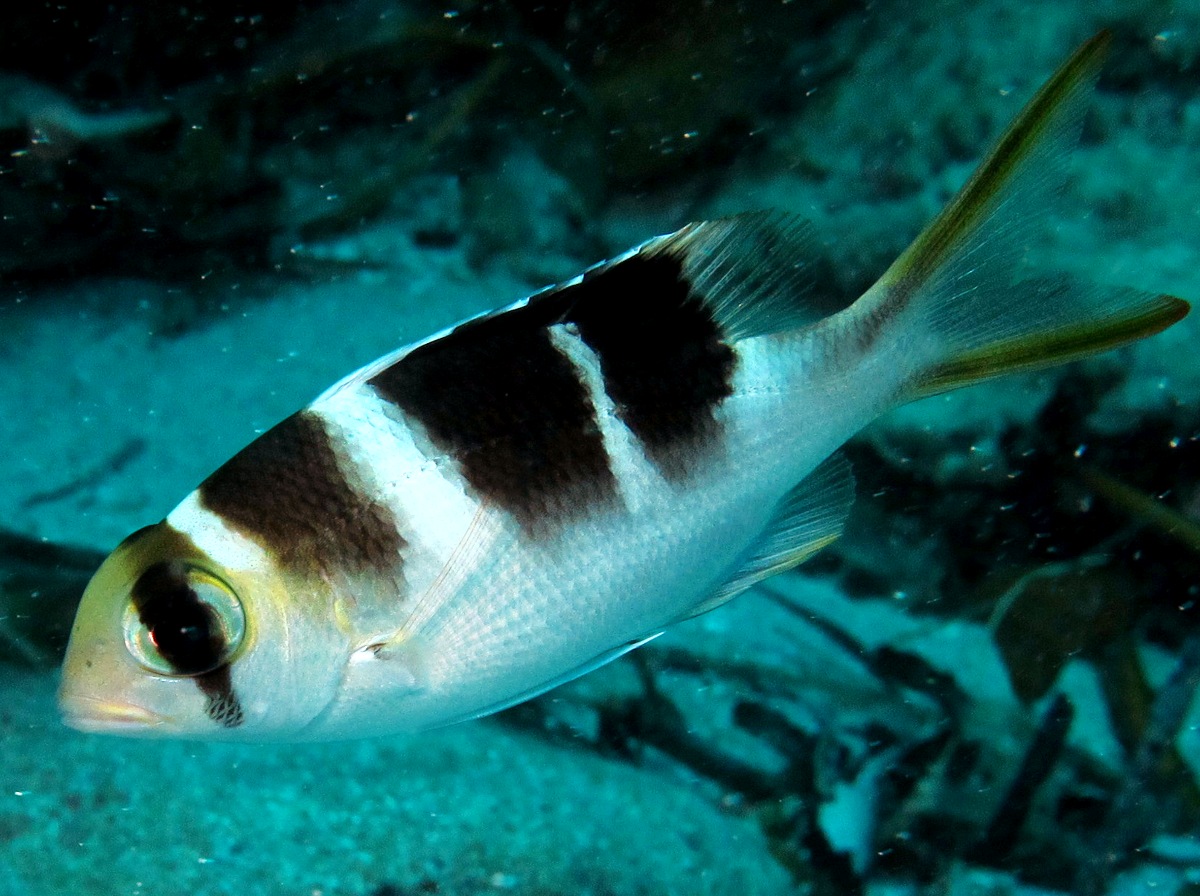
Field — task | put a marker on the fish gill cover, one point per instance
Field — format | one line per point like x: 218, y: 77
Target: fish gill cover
x: 210, y: 210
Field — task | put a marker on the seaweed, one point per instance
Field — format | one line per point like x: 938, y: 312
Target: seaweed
x: 905, y: 794
x: 1144, y: 805
x: 257, y: 135
x: 1000, y: 837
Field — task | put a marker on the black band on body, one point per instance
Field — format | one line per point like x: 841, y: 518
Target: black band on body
x: 499, y: 397
x: 286, y: 491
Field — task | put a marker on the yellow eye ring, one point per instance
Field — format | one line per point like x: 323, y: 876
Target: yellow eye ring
x: 182, y: 620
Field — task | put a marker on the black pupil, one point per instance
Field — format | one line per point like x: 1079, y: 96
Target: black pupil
x: 184, y: 629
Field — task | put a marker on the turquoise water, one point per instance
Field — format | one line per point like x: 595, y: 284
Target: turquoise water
x: 987, y: 686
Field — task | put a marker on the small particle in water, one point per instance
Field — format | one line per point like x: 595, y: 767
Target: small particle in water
x: 1081, y: 450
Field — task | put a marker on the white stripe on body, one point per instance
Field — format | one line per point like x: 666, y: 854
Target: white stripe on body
x: 389, y: 460
x: 214, y: 537
x: 636, y: 476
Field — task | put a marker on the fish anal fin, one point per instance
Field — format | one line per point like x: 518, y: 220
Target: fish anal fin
x: 806, y: 520
x: 542, y: 687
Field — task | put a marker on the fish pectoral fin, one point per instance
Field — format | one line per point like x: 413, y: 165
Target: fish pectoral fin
x: 807, y: 519
x: 394, y: 660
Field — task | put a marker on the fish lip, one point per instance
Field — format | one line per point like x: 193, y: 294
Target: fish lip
x: 97, y: 715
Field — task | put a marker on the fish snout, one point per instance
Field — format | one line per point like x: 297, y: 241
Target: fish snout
x: 89, y: 713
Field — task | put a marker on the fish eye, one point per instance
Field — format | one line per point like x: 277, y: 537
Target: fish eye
x: 182, y: 620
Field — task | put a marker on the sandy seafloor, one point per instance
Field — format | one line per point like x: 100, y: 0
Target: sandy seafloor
x: 125, y: 423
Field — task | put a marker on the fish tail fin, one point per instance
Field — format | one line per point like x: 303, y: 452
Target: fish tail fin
x: 959, y: 286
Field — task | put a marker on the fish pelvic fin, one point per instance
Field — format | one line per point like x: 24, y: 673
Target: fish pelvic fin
x: 806, y: 520
x: 960, y: 287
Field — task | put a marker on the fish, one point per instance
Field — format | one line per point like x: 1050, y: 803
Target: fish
x: 479, y: 517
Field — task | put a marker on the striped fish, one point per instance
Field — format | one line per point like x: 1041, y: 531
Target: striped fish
x: 475, y: 519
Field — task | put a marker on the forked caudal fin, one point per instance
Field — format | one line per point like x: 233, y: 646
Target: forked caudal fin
x: 959, y: 283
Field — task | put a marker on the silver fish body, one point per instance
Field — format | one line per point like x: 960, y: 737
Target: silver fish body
x: 472, y: 520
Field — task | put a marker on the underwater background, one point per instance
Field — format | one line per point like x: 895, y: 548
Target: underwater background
x: 209, y: 212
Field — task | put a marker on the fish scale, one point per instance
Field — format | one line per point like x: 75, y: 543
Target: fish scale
x: 476, y: 518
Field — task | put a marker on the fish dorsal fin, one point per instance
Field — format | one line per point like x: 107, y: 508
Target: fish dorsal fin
x: 753, y: 271
x: 807, y: 519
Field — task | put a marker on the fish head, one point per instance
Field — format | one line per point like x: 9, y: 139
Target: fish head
x: 170, y: 642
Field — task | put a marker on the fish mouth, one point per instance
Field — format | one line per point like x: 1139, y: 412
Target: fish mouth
x: 96, y: 715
